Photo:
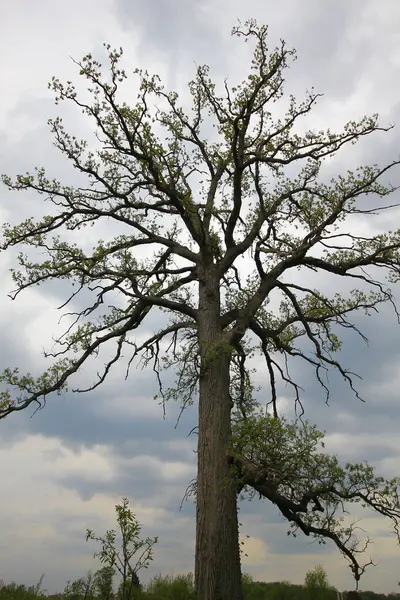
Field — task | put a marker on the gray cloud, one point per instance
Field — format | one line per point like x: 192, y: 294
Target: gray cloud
x: 180, y: 33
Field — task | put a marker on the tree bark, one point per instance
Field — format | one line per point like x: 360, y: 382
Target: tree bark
x: 217, y: 565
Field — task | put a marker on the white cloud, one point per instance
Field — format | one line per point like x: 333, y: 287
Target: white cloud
x: 358, y: 444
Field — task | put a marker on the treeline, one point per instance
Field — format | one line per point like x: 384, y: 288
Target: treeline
x: 180, y: 587
x: 284, y: 590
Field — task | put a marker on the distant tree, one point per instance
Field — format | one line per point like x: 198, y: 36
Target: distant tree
x: 103, y: 583
x: 247, y: 584
x: 19, y: 591
x: 283, y: 590
x: 80, y: 589
x: 167, y: 587
x: 194, y: 206
x: 317, y: 585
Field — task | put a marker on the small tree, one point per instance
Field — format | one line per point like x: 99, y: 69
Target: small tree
x: 134, y: 554
x: 195, y: 205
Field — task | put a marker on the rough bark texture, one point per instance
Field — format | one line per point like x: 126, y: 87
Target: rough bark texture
x: 217, y: 568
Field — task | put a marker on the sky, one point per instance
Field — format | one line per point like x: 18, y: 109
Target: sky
x: 64, y: 469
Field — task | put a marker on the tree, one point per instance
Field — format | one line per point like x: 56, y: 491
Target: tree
x: 103, y: 583
x: 168, y: 587
x: 255, y: 188
x: 80, y: 589
x: 131, y: 547
x: 316, y: 583
x: 14, y: 591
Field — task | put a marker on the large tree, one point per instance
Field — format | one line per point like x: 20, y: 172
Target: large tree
x: 195, y: 204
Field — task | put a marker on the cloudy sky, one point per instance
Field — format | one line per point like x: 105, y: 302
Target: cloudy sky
x: 64, y: 469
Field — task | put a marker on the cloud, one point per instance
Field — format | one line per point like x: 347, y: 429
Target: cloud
x: 53, y: 515
x: 65, y: 468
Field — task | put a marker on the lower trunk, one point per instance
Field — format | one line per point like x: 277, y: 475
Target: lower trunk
x: 217, y: 567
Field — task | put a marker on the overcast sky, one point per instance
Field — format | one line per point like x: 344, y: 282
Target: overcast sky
x: 63, y: 470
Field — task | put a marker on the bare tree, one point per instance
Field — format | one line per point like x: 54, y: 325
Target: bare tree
x: 198, y: 205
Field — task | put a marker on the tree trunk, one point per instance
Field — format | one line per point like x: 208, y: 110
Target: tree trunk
x: 217, y: 565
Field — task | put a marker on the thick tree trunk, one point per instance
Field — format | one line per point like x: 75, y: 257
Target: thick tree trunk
x: 217, y: 568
